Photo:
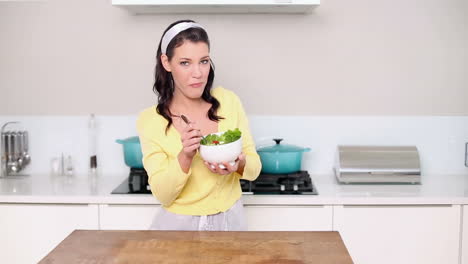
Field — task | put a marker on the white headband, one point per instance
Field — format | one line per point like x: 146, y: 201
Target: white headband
x: 173, y: 31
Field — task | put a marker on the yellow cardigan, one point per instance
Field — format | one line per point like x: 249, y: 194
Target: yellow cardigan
x: 198, y: 192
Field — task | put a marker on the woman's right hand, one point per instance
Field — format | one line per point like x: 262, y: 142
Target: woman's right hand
x: 191, y: 137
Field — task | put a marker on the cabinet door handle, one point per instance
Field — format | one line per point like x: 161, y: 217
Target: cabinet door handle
x: 394, y: 205
x: 131, y: 205
x: 50, y: 204
x: 282, y: 206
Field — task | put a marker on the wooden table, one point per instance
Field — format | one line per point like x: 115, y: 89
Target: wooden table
x: 93, y: 247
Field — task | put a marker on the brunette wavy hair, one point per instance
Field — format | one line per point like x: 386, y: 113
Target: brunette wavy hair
x: 164, y: 85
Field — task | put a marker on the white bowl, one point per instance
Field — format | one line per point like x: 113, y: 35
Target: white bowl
x: 222, y: 153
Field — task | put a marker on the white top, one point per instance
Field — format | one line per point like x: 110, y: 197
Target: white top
x: 435, y: 189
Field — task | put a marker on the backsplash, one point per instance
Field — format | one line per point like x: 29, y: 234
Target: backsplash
x: 440, y: 139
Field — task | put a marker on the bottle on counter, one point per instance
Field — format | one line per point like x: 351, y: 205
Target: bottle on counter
x: 92, y: 136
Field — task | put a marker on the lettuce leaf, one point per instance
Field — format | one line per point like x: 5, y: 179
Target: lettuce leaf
x: 225, y: 138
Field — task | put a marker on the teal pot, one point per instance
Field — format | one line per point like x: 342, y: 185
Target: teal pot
x: 281, y: 158
x: 132, y: 152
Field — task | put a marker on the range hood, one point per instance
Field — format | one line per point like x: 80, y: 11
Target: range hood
x: 216, y: 6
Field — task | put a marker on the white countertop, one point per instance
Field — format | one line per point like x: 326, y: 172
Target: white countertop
x: 435, y: 189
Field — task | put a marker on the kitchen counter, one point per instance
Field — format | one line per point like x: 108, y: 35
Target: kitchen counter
x: 435, y: 189
x: 88, y: 246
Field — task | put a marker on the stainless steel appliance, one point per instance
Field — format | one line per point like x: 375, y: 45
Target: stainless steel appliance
x: 377, y: 164
x: 14, y: 155
x: 293, y: 183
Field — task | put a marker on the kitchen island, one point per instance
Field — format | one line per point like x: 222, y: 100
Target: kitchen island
x: 90, y: 246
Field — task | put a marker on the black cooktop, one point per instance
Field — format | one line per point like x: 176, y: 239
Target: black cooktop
x: 292, y: 183
x: 137, y: 182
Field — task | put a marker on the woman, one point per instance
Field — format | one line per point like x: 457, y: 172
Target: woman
x: 195, y: 195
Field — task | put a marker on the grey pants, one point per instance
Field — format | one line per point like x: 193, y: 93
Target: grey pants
x: 231, y: 220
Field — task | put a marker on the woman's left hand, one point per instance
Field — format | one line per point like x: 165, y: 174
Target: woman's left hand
x: 228, y: 168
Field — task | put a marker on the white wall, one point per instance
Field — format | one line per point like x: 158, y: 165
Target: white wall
x: 440, y: 140
x: 361, y: 57
x: 352, y: 72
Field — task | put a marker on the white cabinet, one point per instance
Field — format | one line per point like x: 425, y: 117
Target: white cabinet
x: 28, y: 232
x: 372, y: 233
x: 289, y: 217
x: 400, y: 233
x: 126, y: 216
x: 464, y: 236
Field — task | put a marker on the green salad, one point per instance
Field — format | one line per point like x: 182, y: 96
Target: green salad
x: 225, y: 138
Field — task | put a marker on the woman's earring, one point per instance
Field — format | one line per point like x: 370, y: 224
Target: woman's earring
x: 172, y: 82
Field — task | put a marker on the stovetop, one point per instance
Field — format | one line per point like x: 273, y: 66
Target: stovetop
x: 298, y: 183
x: 137, y: 182
x: 292, y: 183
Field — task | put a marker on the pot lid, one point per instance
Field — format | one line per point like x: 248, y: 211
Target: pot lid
x: 134, y: 139
x: 282, y: 147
